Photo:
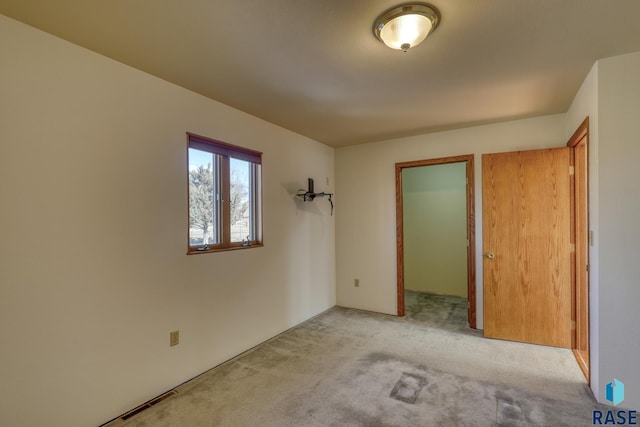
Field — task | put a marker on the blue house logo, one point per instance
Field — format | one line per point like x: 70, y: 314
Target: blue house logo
x: 615, y: 392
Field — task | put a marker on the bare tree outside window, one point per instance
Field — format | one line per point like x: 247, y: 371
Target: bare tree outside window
x: 225, y: 200
x: 201, y: 202
x: 240, y: 200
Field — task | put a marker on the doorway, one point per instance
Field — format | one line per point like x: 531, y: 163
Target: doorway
x: 467, y: 160
x: 579, y: 142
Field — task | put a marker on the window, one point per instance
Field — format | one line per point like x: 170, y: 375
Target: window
x: 224, y: 196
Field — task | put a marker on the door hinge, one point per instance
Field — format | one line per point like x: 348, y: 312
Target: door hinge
x: 573, y: 325
x: 573, y: 247
x: 572, y: 170
x: 587, y: 267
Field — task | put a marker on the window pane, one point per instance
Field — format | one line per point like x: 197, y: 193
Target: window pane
x: 241, y: 200
x: 203, y: 198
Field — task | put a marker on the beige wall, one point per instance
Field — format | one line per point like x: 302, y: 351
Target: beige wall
x: 93, y: 224
x: 435, y: 229
x: 610, y: 96
x: 365, y: 223
x: 618, y: 290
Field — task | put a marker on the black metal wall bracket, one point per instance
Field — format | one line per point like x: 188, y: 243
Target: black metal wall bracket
x: 309, y: 195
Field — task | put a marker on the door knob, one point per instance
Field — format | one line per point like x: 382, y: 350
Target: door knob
x: 490, y: 255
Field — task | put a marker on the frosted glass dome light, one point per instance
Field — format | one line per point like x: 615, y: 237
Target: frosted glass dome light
x: 406, y: 26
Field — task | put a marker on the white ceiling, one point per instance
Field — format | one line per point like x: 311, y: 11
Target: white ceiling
x: 314, y: 66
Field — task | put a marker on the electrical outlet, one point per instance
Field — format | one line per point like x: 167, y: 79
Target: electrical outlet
x: 356, y: 283
x: 174, y: 338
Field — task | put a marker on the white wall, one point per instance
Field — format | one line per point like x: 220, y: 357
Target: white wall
x: 619, y: 213
x: 434, y: 203
x: 93, y: 224
x: 365, y: 224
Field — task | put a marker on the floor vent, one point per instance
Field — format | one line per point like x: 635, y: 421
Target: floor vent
x: 148, y: 405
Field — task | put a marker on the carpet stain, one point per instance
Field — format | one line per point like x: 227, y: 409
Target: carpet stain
x: 408, y: 388
x: 508, y: 412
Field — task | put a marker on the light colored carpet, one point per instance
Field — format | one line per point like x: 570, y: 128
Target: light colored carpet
x: 354, y: 368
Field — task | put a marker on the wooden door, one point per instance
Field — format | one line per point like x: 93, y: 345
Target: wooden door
x: 527, y: 246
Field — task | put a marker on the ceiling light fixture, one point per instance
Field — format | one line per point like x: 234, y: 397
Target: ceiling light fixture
x: 406, y: 25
